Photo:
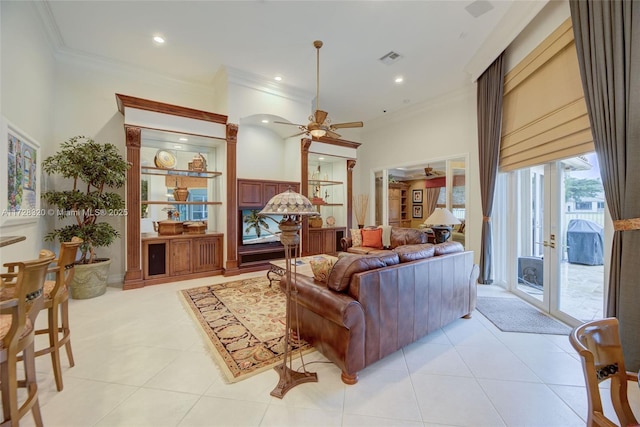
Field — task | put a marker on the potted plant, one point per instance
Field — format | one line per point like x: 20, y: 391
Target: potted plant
x: 93, y: 168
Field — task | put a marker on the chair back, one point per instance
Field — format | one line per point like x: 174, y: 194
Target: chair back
x: 66, y: 265
x: 28, y: 294
x: 598, y: 344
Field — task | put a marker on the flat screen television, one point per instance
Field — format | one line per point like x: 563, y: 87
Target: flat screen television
x: 256, y: 229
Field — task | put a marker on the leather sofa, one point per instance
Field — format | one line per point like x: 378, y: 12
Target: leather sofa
x: 373, y: 305
x: 399, y: 236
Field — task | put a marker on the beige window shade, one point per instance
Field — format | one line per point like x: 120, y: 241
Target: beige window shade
x: 544, y: 115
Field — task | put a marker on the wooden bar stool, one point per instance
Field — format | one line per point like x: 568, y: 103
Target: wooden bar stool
x: 25, y: 286
x: 56, y: 302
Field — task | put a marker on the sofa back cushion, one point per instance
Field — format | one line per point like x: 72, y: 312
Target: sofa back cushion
x: 406, y: 236
x: 348, y: 265
x: 449, y: 247
x: 407, y: 253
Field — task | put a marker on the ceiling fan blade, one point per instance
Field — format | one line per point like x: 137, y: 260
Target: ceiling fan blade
x: 332, y: 134
x: 297, y: 134
x: 290, y: 124
x: 347, y: 125
x: 320, y: 116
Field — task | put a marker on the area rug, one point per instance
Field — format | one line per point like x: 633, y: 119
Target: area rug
x: 515, y: 315
x: 244, y: 321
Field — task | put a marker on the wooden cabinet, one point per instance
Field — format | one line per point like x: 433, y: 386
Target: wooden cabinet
x: 257, y: 193
x: 399, y: 205
x: 325, y: 240
x: 168, y: 257
x: 157, y: 167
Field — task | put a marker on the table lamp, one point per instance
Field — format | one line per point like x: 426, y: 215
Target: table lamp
x: 440, y: 222
x: 292, y: 206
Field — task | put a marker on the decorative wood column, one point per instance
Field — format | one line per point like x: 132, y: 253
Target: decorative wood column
x: 305, y: 143
x: 133, y: 274
x: 351, y: 163
x: 231, y: 265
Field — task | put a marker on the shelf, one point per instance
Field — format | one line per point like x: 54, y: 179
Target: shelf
x: 167, y: 202
x: 323, y: 183
x: 150, y: 170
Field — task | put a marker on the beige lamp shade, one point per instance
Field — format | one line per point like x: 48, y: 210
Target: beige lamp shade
x: 441, y: 216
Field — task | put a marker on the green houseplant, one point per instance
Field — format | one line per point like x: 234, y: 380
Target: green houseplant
x: 93, y: 168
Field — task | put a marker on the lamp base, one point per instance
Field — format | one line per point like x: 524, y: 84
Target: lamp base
x: 442, y: 232
x: 290, y: 378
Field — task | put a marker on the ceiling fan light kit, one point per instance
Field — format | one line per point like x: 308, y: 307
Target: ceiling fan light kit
x: 319, y: 124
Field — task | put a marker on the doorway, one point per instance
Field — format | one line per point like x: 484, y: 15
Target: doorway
x: 559, y: 255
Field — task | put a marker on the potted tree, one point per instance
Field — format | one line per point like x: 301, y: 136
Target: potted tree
x: 93, y: 168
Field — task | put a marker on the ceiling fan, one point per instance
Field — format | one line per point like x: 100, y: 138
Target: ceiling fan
x: 432, y: 173
x: 319, y: 123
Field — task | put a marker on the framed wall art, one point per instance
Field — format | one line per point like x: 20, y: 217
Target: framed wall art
x: 20, y: 188
x: 417, y: 211
x: 417, y: 196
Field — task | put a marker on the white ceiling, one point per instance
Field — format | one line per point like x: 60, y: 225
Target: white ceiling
x: 437, y: 40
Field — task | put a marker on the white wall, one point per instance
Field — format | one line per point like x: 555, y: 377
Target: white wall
x: 260, y: 154
x: 443, y: 128
x: 28, y: 71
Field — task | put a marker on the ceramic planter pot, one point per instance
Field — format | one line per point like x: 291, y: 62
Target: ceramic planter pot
x: 90, y: 280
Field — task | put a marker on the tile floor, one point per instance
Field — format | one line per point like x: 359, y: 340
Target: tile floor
x: 142, y: 361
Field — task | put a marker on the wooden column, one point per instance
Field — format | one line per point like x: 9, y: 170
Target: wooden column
x: 231, y: 265
x: 305, y: 143
x: 133, y: 274
x: 351, y: 163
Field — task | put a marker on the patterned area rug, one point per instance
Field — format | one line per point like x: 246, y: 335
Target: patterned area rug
x: 515, y: 315
x: 244, y: 321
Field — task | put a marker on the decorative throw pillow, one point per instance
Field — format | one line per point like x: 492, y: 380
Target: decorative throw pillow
x: 321, y: 268
x: 386, y: 235
x: 356, y: 237
x: 372, y: 238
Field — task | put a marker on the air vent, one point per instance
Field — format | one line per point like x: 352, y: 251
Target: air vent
x: 390, y: 58
x: 478, y: 8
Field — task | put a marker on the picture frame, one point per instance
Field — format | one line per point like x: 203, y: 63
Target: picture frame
x: 417, y: 211
x: 21, y: 179
x: 416, y: 196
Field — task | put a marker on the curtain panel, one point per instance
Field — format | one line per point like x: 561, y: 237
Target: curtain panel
x: 607, y: 37
x: 489, y: 103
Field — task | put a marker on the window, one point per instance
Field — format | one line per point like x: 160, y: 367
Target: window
x: 583, y: 206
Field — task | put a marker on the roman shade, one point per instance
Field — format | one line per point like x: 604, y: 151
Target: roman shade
x: 544, y: 112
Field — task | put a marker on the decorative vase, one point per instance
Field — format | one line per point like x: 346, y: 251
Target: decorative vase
x: 180, y: 194
x: 90, y: 280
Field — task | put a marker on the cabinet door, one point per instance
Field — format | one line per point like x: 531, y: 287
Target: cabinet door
x: 154, y: 255
x: 316, y: 238
x: 395, y: 206
x: 282, y: 187
x: 329, y: 242
x: 180, y: 260
x: 269, y: 189
x: 207, y: 254
x: 250, y: 194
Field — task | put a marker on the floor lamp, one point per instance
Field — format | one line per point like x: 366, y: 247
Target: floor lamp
x: 292, y: 206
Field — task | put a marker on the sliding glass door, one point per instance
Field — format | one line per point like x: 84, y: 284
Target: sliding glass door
x: 559, y: 240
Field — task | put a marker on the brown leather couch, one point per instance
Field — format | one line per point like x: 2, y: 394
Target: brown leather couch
x: 399, y: 236
x: 373, y: 305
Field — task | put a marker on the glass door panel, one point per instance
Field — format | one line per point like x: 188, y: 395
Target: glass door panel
x: 560, y: 238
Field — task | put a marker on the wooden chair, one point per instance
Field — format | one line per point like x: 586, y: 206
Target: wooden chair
x: 56, y: 302
x: 598, y: 344
x: 17, y: 320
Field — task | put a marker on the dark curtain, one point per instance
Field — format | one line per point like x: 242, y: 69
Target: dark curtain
x: 490, y: 91
x: 607, y: 35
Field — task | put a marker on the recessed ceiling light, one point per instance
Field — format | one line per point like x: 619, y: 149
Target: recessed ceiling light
x: 265, y: 121
x: 158, y: 39
x: 183, y: 139
x: 277, y: 78
x: 177, y: 147
x: 320, y: 158
x: 399, y: 79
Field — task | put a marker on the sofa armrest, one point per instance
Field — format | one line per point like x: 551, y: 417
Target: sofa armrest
x: 346, y: 243
x: 337, y: 307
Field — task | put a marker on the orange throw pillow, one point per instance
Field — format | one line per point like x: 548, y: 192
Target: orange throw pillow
x: 372, y: 238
